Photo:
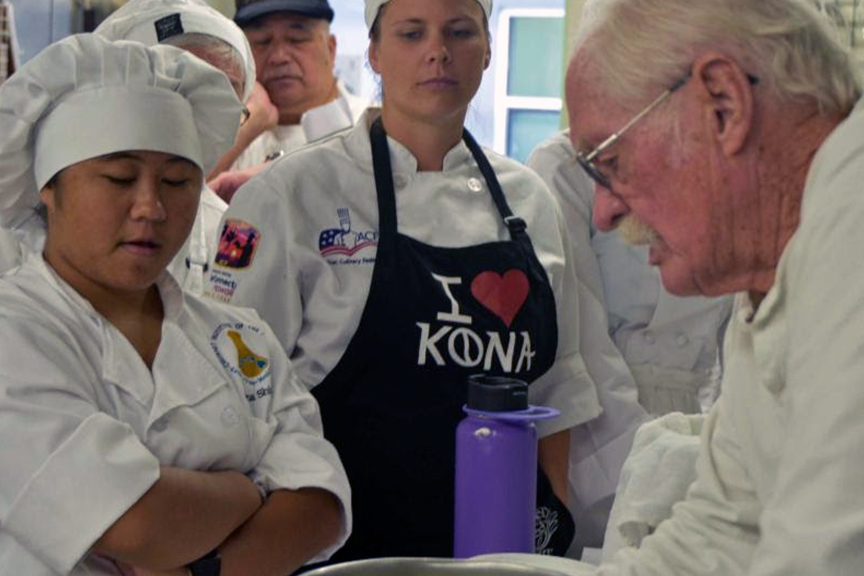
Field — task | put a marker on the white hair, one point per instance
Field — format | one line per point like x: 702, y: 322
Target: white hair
x: 640, y: 46
x: 219, y: 50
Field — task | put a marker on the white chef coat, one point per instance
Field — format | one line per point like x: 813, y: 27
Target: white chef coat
x: 669, y: 343
x: 778, y: 489
x: 598, y: 448
x: 323, y: 197
x: 86, y: 425
x: 10, y: 250
x: 315, y: 124
x: 189, y: 266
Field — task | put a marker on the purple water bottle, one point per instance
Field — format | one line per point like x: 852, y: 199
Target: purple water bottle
x: 496, y: 468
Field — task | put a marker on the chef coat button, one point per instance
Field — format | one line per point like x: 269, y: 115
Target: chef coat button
x: 160, y: 424
x: 230, y: 417
x: 649, y: 337
x: 475, y: 185
x: 399, y: 181
x: 681, y: 339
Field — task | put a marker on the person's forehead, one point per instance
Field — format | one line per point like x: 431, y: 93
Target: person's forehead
x: 593, y: 114
x: 419, y: 10
x: 286, y: 20
x: 142, y: 156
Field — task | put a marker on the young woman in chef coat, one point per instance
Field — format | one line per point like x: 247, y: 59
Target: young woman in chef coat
x: 396, y: 259
x: 142, y: 431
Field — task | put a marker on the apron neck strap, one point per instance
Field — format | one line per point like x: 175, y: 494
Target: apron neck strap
x: 383, y: 183
x: 386, y: 192
x: 515, y: 224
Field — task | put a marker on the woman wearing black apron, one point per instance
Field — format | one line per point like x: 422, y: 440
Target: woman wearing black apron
x: 433, y: 262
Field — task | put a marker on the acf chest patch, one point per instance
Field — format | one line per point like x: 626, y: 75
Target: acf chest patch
x: 237, y: 244
x: 240, y: 349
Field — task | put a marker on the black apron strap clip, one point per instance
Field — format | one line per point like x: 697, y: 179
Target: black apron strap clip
x: 516, y: 225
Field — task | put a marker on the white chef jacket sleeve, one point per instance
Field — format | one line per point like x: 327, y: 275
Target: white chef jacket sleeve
x: 813, y: 521
x: 10, y: 250
x: 598, y: 448
x: 555, y: 162
x: 714, y: 530
x: 298, y: 455
x: 69, y: 470
x: 265, y: 282
x: 567, y: 385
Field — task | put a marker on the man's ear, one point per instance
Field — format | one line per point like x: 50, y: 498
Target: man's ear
x: 331, y: 46
x: 729, y: 97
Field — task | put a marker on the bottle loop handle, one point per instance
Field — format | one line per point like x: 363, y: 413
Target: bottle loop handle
x: 532, y: 414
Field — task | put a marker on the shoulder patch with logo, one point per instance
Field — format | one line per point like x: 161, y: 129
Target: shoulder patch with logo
x: 241, y: 350
x: 237, y: 244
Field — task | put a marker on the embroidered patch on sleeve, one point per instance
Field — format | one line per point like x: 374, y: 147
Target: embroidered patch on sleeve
x: 237, y: 244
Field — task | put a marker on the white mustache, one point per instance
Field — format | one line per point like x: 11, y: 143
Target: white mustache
x: 634, y: 231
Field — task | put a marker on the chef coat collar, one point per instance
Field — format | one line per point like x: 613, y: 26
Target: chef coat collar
x: 172, y: 295
x: 404, y: 162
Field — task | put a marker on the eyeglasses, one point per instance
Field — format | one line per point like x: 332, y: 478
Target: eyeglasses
x: 587, y: 160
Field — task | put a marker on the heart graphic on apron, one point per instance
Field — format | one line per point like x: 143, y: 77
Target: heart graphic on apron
x: 501, y: 295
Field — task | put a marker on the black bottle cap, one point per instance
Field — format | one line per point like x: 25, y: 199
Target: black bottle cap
x: 496, y: 393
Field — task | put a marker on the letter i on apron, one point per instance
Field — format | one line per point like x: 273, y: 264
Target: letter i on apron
x: 433, y: 317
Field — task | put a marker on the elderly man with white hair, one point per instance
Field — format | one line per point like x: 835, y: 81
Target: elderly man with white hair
x: 727, y: 136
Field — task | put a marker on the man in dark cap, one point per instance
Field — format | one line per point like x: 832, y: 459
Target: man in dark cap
x: 299, y: 100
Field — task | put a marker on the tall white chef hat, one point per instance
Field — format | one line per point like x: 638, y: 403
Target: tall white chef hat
x: 373, y: 6
x: 152, y: 22
x: 85, y: 97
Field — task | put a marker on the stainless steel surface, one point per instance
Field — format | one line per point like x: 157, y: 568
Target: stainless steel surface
x: 431, y: 567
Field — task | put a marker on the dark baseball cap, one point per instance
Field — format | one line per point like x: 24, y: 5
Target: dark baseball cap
x: 248, y: 10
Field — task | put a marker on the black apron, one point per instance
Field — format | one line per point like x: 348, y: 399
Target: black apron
x: 392, y: 403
